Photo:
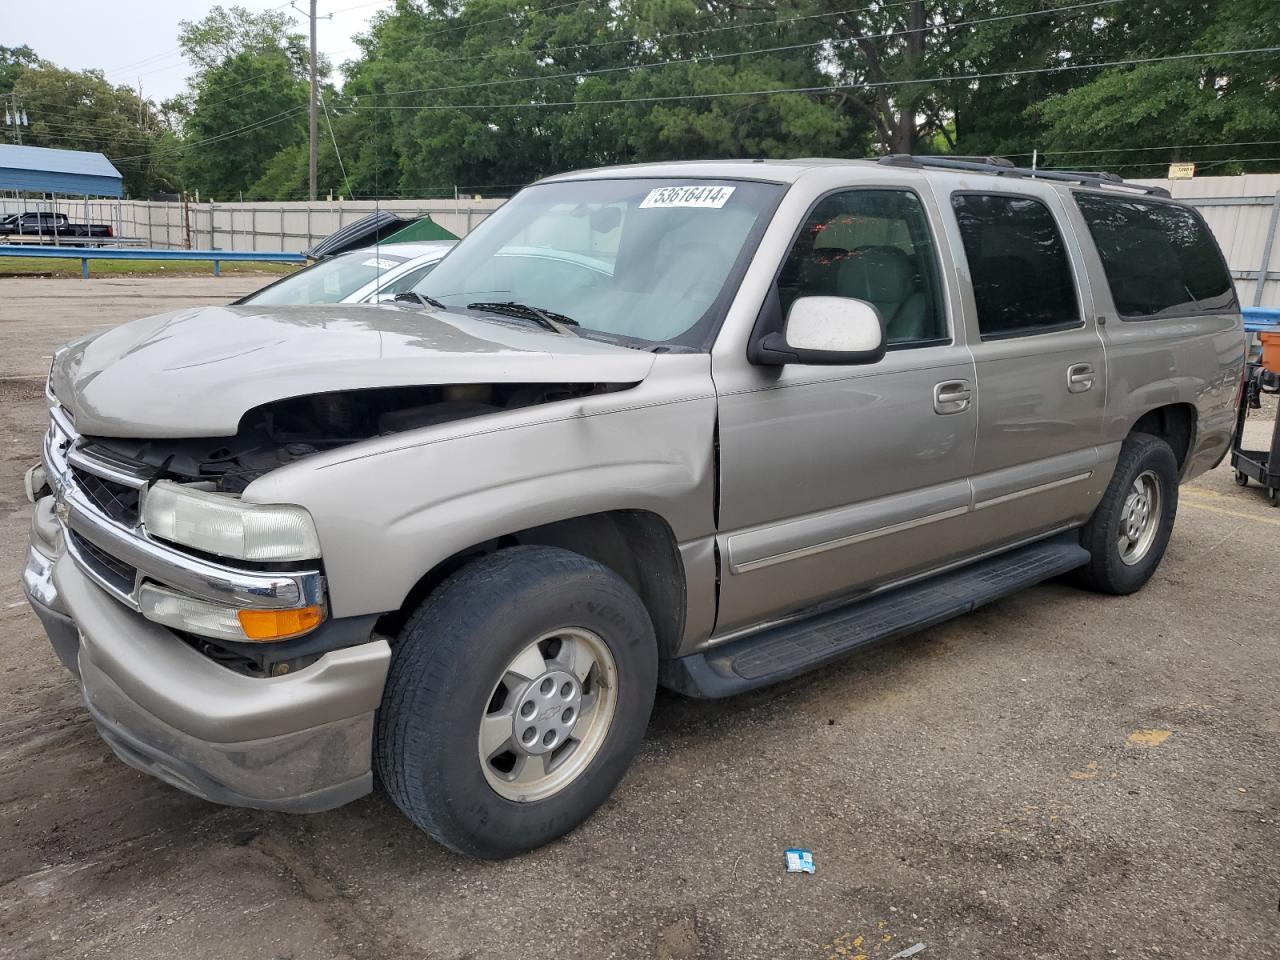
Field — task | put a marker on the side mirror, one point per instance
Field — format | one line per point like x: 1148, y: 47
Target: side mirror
x: 826, y: 330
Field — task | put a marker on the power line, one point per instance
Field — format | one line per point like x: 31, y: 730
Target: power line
x: 711, y: 57
x: 133, y: 65
x: 826, y: 88
x: 333, y: 55
x: 358, y: 6
x: 256, y: 125
x: 1171, y: 146
x: 1199, y: 164
x: 336, y: 152
x: 480, y: 23
x: 643, y: 40
x: 615, y: 101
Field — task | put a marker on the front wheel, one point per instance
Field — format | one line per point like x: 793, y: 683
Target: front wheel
x: 1128, y: 532
x: 517, y: 696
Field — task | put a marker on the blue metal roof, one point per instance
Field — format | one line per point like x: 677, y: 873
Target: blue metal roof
x: 71, y: 173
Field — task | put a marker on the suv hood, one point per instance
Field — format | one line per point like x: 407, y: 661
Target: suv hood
x: 194, y: 373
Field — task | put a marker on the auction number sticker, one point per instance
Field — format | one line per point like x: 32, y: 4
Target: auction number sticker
x: 713, y: 197
x: 380, y: 262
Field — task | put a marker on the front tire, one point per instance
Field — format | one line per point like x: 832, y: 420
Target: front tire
x: 518, y: 694
x: 1127, y: 535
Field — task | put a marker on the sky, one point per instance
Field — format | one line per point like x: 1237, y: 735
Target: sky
x: 138, y: 40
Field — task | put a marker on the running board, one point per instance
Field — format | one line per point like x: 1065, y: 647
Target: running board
x: 778, y: 653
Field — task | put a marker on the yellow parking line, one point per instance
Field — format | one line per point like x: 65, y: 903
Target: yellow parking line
x: 1190, y: 502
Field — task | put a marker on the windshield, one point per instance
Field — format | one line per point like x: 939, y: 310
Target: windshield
x: 650, y: 259
x: 329, y: 281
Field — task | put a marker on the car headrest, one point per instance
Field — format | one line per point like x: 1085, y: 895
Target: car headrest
x: 877, y: 274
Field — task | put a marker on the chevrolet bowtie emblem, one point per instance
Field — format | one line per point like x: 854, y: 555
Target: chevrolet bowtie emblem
x: 60, y: 506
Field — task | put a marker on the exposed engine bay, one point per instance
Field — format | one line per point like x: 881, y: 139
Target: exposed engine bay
x: 281, y: 432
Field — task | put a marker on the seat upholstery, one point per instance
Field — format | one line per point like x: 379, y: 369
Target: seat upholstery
x: 886, y: 277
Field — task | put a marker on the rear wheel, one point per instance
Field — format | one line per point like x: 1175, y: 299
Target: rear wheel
x: 1129, y: 531
x: 517, y: 696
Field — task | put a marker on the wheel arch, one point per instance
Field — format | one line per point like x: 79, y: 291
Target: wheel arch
x: 1175, y: 424
x: 638, y: 545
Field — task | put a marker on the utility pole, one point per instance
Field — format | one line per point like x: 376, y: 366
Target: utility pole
x: 311, y: 164
x: 16, y: 117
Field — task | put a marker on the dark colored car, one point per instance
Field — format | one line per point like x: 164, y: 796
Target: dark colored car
x: 51, y: 225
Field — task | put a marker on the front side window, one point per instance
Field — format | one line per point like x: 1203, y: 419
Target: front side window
x: 1158, y: 257
x: 872, y: 245
x: 1022, y: 281
x: 332, y: 280
x: 651, y: 260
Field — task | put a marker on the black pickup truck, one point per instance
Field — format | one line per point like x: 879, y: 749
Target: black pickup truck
x: 51, y: 225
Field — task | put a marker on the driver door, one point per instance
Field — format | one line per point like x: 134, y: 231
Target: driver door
x: 840, y: 479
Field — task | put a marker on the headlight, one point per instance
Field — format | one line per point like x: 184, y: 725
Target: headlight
x: 228, y: 526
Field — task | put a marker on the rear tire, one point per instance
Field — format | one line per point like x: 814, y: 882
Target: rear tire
x: 1127, y: 535
x: 518, y: 694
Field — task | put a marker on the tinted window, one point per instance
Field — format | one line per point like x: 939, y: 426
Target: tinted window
x: 1021, y: 278
x: 871, y: 245
x: 1157, y: 256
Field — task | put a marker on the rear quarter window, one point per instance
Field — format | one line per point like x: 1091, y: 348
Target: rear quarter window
x: 1160, y: 259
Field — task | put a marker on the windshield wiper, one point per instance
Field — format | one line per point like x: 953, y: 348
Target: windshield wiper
x: 412, y: 296
x: 549, y: 319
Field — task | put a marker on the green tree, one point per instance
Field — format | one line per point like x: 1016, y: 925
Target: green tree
x: 13, y: 61
x: 499, y: 92
x: 246, y: 102
x: 486, y: 95
x: 1178, y: 103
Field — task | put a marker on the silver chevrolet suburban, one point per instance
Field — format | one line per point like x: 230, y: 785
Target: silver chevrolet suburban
x: 736, y: 420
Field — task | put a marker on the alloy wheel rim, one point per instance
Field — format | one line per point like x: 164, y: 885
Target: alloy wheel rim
x: 548, y: 715
x: 1140, y: 518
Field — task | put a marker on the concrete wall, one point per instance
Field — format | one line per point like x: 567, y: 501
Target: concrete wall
x: 292, y: 227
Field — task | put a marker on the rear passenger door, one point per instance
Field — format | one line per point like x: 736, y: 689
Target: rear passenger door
x: 1172, y: 331
x: 1041, y: 377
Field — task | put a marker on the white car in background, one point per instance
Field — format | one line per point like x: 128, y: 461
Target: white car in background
x: 359, y: 276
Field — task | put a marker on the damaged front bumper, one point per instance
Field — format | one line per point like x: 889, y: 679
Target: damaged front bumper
x: 300, y: 743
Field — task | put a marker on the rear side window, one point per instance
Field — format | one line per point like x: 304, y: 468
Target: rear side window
x: 1159, y: 257
x: 1022, y: 281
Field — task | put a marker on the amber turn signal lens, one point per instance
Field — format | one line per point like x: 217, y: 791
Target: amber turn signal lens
x: 279, y: 624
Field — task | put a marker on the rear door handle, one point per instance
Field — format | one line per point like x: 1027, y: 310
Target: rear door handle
x: 1080, y: 377
x: 952, y: 396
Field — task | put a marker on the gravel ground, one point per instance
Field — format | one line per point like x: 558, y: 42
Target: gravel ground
x: 1057, y: 775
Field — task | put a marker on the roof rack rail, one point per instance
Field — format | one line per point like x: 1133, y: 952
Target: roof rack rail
x: 1002, y: 167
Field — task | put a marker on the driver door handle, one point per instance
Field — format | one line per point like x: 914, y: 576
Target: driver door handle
x: 1080, y: 377
x: 952, y: 396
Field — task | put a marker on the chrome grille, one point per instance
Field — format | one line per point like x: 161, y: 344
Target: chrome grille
x: 113, y: 570
x: 117, y: 501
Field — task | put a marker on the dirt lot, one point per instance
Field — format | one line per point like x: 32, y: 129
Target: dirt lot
x: 1058, y: 775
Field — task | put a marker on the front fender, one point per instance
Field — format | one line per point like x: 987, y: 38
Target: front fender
x: 389, y: 510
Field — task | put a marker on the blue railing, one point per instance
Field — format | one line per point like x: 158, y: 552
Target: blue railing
x: 85, y: 254
x: 1258, y: 319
